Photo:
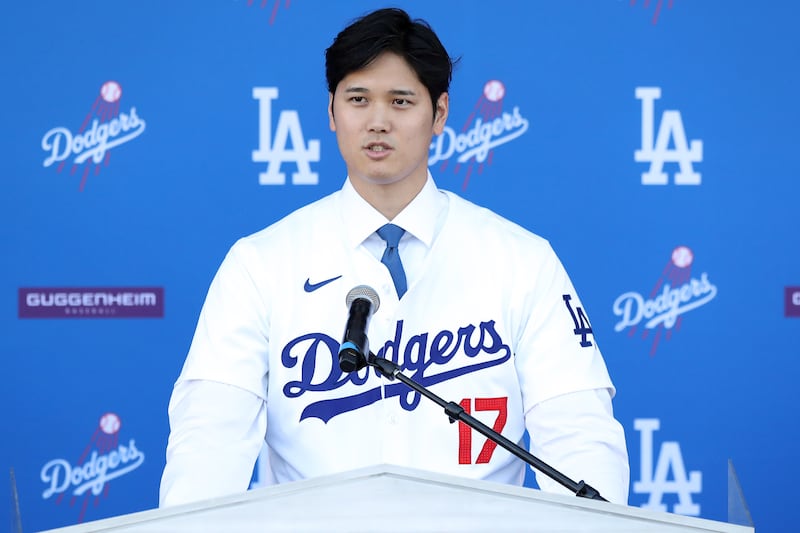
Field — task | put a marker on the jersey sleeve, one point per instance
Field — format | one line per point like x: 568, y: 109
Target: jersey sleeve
x: 566, y: 388
x: 577, y: 434
x: 231, y: 341
x: 217, y: 411
x: 555, y: 351
x: 216, y: 433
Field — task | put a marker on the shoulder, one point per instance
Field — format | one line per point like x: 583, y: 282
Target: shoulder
x: 472, y: 221
x: 303, y: 223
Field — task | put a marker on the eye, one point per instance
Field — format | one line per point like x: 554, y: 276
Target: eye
x: 358, y: 99
x: 402, y: 102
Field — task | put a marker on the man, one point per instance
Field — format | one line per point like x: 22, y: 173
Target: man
x: 481, y: 312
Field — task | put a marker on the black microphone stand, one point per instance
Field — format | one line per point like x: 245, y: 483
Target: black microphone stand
x: 455, y: 412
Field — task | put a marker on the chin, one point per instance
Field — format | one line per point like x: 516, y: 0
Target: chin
x: 381, y: 178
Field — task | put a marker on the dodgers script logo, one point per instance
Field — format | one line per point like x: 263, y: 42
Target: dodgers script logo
x: 486, y: 128
x: 277, y: 151
x: 675, y: 293
x: 423, y: 357
x: 105, y: 458
x: 104, y: 127
x: 657, y: 151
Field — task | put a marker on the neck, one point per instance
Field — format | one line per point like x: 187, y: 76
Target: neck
x: 389, y: 199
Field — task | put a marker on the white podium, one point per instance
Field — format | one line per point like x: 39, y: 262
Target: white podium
x: 390, y: 498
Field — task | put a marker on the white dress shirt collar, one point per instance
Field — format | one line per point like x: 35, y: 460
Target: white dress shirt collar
x: 420, y: 218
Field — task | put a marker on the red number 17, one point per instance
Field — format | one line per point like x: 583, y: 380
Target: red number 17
x: 465, y: 432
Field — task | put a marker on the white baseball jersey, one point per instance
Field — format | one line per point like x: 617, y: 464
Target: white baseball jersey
x: 490, y: 321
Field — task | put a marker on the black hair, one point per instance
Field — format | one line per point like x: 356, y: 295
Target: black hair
x: 390, y: 30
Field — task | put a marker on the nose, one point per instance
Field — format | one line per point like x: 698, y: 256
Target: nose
x: 379, y: 121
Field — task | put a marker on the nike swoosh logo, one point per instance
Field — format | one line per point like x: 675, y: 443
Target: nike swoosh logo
x: 311, y: 287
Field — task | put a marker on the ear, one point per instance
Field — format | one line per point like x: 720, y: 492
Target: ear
x: 331, y: 122
x: 440, y: 117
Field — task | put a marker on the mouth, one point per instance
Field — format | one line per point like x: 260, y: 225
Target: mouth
x: 377, y: 147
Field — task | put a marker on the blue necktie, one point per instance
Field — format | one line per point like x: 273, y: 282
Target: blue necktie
x: 391, y: 256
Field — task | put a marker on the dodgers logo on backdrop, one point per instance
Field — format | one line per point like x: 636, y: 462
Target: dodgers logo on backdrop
x: 668, y: 475
x: 658, y: 7
x: 661, y: 310
x: 487, y: 127
x: 276, y: 151
x: 656, y: 149
x: 275, y: 6
x: 104, y: 127
x: 104, y: 459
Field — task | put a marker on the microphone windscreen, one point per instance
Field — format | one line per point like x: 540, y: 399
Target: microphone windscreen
x: 367, y: 293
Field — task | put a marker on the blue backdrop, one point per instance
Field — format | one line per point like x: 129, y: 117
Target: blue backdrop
x: 653, y: 142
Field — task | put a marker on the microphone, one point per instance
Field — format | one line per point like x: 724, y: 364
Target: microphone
x: 362, y: 301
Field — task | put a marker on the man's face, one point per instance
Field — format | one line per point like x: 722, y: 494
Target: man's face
x: 384, y: 121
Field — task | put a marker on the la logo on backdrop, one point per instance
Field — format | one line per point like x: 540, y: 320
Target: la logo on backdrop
x: 675, y: 293
x: 287, y: 145
x: 106, y: 457
x: 487, y: 127
x: 104, y: 127
x: 665, y: 473
x: 656, y: 149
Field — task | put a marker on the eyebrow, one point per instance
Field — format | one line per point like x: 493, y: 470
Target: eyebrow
x: 395, y: 92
